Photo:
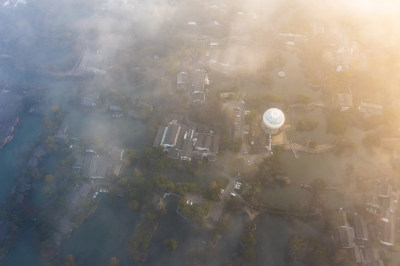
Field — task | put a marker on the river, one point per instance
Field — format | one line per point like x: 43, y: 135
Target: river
x: 25, y: 250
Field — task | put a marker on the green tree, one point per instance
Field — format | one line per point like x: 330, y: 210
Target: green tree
x: 114, y: 261
x: 302, y: 99
x: 170, y: 244
x: 318, y: 184
x: 129, y: 157
x: 312, y: 144
x: 134, y: 205
x: 249, y: 118
x: 336, y: 123
x: 69, y: 260
x: 371, y: 140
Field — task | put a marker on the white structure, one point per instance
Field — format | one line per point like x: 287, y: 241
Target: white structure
x: 273, y: 119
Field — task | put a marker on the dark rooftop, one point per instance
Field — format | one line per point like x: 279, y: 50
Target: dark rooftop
x: 345, y: 236
x: 360, y: 227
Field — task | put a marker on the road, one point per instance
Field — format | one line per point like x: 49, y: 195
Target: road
x: 215, y: 213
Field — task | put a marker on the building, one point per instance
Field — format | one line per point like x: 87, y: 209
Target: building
x: 361, y: 230
x: 344, y: 101
x: 90, y: 100
x: 292, y: 38
x: 391, y: 143
x: 116, y: 156
x: 199, y: 82
x: 345, y: 236
x: 198, y: 97
x: 370, y: 109
x: 167, y: 137
x: 384, y: 205
x: 388, y: 229
x: 318, y: 28
x: 371, y: 257
x: 227, y: 95
x: 115, y: 110
x: 206, y: 145
x: 184, y: 143
x: 354, y: 240
x: 94, y: 165
x: 61, y: 136
x: 187, y: 149
x: 357, y: 256
x: 182, y: 81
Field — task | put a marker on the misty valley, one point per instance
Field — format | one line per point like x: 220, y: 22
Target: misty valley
x: 216, y: 132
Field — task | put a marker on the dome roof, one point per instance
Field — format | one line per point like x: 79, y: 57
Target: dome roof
x: 273, y: 118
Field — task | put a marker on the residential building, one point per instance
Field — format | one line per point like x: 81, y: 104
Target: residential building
x: 344, y: 101
x: 371, y: 257
x: 116, y: 156
x: 61, y: 136
x: 93, y: 165
x: 388, y: 229
x: 384, y: 205
x: 361, y: 230
x: 199, y: 82
x: 182, y: 81
x: 370, y: 109
x: 90, y: 100
x: 345, y: 236
x: 292, y: 38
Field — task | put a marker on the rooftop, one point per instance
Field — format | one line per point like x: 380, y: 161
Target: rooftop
x: 360, y: 227
x: 345, y: 236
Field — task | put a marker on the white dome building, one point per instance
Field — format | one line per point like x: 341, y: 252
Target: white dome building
x: 273, y: 120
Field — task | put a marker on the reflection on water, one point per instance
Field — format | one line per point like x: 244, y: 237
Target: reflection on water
x: 26, y: 251
x: 174, y: 226
x: 103, y: 235
x: 272, y: 236
x: 11, y: 160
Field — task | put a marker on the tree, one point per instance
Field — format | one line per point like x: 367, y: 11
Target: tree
x: 134, y: 205
x: 248, y: 239
x: 302, y: 99
x: 213, y: 185
x: 70, y: 260
x: 345, y: 145
x: 114, y: 261
x: 336, y: 123
x: 349, y: 169
x: 232, y: 205
x: 371, y: 140
x: 343, y: 257
x: 312, y: 144
x: 306, y: 125
x: 249, y: 118
x: 49, y: 179
x: 170, y: 244
x: 129, y: 157
x: 318, y: 184
x: 247, y: 253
